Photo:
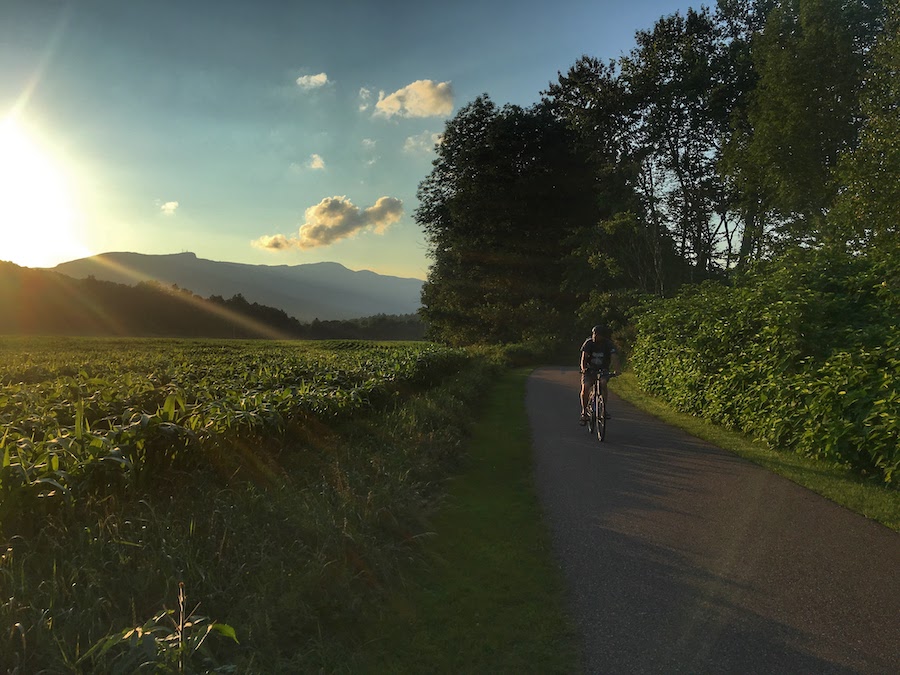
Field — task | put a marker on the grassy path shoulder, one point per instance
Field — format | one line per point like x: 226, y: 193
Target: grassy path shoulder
x: 833, y: 482
x: 489, y: 598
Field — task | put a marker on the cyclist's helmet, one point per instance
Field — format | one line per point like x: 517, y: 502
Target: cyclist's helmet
x: 601, y: 329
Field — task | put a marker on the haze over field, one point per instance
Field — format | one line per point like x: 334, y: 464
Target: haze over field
x: 272, y: 133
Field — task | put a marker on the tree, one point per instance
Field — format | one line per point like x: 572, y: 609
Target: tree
x: 739, y: 21
x: 803, y: 114
x: 674, y: 78
x: 507, y: 190
x: 866, y: 210
x: 592, y: 102
x: 619, y: 249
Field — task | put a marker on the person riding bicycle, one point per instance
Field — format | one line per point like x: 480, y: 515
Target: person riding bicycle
x: 597, y: 354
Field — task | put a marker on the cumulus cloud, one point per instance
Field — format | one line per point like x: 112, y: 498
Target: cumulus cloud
x: 169, y: 208
x: 312, y: 81
x: 333, y: 219
x: 275, y: 242
x: 316, y: 162
x: 370, y: 158
x: 422, y: 98
x: 423, y: 143
x: 365, y: 98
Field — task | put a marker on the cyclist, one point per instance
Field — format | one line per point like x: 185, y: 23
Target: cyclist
x: 597, y: 354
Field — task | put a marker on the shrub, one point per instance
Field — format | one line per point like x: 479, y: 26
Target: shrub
x: 802, y: 352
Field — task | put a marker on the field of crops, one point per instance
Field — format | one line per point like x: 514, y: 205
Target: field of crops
x: 281, y: 482
x: 75, y: 414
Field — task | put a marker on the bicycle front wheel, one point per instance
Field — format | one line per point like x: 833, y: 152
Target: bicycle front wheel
x: 592, y: 414
x: 601, y: 419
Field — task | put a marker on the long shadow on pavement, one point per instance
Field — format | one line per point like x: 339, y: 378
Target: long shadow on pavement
x: 681, y: 557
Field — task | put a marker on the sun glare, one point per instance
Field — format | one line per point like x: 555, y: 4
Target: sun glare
x: 38, y: 225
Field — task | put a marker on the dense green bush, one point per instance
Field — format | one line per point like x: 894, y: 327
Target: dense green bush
x: 802, y: 352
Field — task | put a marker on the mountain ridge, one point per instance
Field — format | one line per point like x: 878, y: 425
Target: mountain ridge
x: 307, y: 291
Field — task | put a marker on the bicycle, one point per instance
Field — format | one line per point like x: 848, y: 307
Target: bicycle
x: 597, y: 406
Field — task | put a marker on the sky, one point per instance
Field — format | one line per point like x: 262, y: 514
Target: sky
x: 267, y: 132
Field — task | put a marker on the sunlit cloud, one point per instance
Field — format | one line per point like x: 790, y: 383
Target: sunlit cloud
x: 365, y: 99
x: 424, y: 143
x: 422, y: 98
x: 312, y: 81
x: 274, y: 242
x: 168, y: 208
x: 315, y: 163
x: 369, y: 148
x: 334, y: 219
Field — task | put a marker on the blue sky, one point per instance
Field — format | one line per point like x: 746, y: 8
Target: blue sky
x: 267, y: 132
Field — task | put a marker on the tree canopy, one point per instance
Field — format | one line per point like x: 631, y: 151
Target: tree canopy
x: 723, y: 138
x: 508, y: 191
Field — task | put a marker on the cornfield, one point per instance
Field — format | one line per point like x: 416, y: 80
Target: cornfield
x: 78, y: 416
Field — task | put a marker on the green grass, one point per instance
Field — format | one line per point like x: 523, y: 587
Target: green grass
x: 834, y: 482
x: 488, y: 598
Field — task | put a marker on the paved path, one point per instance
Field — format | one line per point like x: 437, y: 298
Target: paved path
x: 682, y: 558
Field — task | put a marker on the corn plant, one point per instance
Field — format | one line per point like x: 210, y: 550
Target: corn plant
x: 85, y: 417
x: 172, y: 641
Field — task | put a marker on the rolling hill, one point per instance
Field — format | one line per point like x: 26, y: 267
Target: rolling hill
x: 324, y: 291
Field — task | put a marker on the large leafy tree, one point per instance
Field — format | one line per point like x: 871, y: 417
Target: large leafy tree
x: 738, y: 22
x: 675, y: 81
x: 866, y: 210
x: 506, y: 192
x: 810, y: 59
x: 623, y: 248
x: 714, y: 143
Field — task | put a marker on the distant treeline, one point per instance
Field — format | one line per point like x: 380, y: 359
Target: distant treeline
x: 40, y: 302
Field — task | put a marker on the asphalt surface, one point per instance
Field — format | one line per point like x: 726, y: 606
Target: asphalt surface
x: 682, y: 558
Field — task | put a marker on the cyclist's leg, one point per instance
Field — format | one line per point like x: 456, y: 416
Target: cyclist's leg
x: 585, y: 395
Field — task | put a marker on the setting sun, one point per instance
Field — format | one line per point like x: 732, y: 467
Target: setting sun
x: 37, y: 215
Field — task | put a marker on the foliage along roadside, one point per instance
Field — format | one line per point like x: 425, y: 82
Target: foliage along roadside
x: 287, y: 533
x: 802, y: 353
x: 841, y: 485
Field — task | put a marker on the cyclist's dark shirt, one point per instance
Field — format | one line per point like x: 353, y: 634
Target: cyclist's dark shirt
x: 598, y: 353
